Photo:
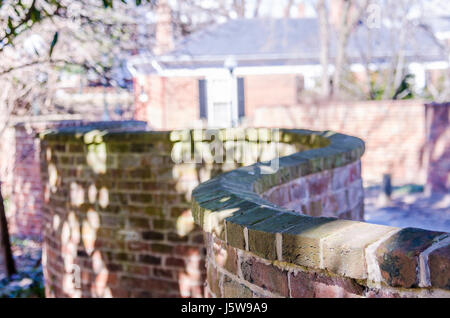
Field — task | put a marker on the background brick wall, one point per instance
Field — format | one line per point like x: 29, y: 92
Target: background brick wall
x: 269, y: 91
x: 172, y: 102
x: 393, y: 131
x: 20, y: 167
x: 169, y: 102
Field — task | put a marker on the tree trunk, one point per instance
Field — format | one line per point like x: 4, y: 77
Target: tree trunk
x: 351, y: 12
x: 287, y: 9
x: 5, y: 246
x: 324, y: 47
x: 344, y: 30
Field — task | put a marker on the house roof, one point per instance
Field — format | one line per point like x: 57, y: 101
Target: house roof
x: 268, y: 42
x: 438, y: 25
x: 253, y: 37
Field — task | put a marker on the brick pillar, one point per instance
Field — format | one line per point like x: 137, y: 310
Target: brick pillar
x: 25, y: 219
x: 437, y: 148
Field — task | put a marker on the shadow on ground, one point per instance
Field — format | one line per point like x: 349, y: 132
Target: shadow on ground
x: 409, y: 207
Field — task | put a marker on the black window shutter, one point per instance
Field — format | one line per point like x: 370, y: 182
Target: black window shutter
x: 241, y: 97
x: 202, y: 98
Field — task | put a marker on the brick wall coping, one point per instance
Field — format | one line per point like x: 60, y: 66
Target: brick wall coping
x: 230, y: 207
x: 80, y: 128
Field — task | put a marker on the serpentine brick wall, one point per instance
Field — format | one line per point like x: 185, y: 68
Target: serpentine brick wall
x: 117, y: 219
x: 274, y: 234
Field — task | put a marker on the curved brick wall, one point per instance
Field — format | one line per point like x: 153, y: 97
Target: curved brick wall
x: 271, y: 235
x: 117, y: 220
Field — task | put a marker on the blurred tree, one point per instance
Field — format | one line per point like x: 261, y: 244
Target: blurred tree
x: 322, y: 12
x: 40, y: 38
x: 351, y: 11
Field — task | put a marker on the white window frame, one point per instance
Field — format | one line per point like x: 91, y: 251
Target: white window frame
x: 213, y: 97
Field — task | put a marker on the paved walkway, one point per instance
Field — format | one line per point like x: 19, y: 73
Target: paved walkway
x: 409, y: 210
x: 28, y: 282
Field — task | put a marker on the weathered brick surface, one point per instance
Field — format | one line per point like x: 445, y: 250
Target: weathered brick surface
x: 214, y: 280
x: 315, y: 285
x: 344, y: 252
x: 269, y: 277
x: 233, y: 289
x: 439, y: 262
x: 399, y: 256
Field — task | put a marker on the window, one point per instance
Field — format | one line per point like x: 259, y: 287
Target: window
x: 221, y: 100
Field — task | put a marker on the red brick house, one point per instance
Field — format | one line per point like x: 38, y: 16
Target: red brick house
x: 220, y: 75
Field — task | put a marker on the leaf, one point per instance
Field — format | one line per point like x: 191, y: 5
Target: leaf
x: 35, y: 14
x: 52, y: 45
x: 108, y: 3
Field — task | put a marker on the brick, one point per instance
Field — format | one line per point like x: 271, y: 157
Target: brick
x: 316, y: 285
x: 150, y: 259
x: 398, y: 257
x: 235, y: 235
x: 344, y: 251
x: 439, y: 264
x: 298, y: 189
x: 154, y: 284
x: 355, y: 171
x: 213, y: 280
x: 355, y: 193
x: 235, y: 225
x: 162, y: 248
x: 265, y: 276
x: 139, y: 223
x: 279, y: 196
x: 186, y: 250
x: 158, y: 272
x: 131, y: 282
x: 152, y: 235
x: 315, y: 208
x: 174, y: 237
x: 233, y: 289
x: 318, y: 183
x: 138, y: 270
x: 301, y: 244
x: 334, y: 203
x: 225, y: 256
x: 340, y: 178
x: 163, y: 225
x: 262, y: 235
x: 213, y: 220
x: 175, y: 262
